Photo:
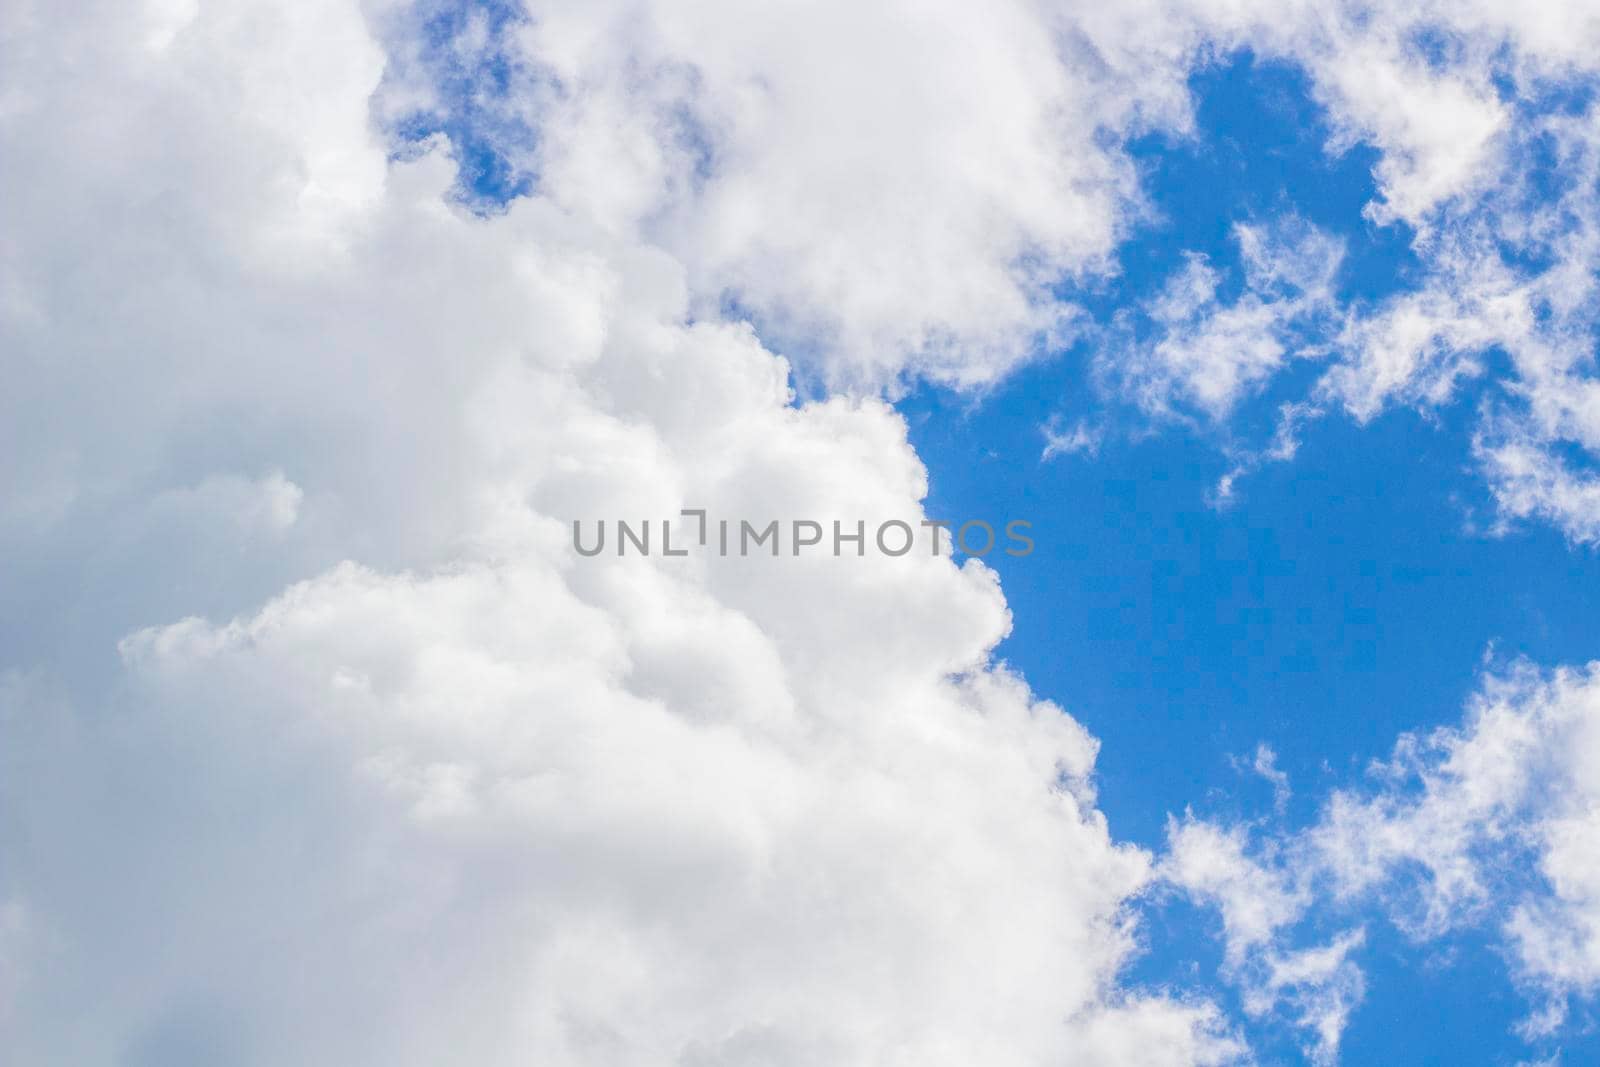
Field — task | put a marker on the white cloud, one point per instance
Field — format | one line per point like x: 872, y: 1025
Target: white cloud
x: 1209, y: 354
x: 1488, y: 824
x: 1528, y: 481
x: 1320, y: 986
x: 403, y: 779
x: 1265, y: 764
x: 885, y: 189
x: 1078, y: 439
x: 1259, y: 902
x: 1254, y: 899
x: 1518, y: 781
x: 1437, y: 128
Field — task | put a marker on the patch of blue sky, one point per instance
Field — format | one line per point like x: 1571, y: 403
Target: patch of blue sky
x: 1347, y: 596
x: 472, y: 87
x: 1319, y: 566
x: 1258, y: 155
x: 1545, y: 174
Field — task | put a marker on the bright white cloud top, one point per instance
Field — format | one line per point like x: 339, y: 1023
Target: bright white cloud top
x: 319, y: 745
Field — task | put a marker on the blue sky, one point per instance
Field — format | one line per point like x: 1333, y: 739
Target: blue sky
x: 1340, y: 600
x: 1361, y: 575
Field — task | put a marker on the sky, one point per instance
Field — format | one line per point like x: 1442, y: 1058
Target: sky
x: 1337, y: 603
x: 323, y: 325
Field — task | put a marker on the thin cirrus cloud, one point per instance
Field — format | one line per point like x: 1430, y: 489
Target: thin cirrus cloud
x: 1488, y: 825
x: 320, y: 746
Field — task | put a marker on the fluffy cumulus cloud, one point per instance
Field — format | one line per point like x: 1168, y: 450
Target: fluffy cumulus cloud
x: 335, y: 751
x: 889, y: 188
